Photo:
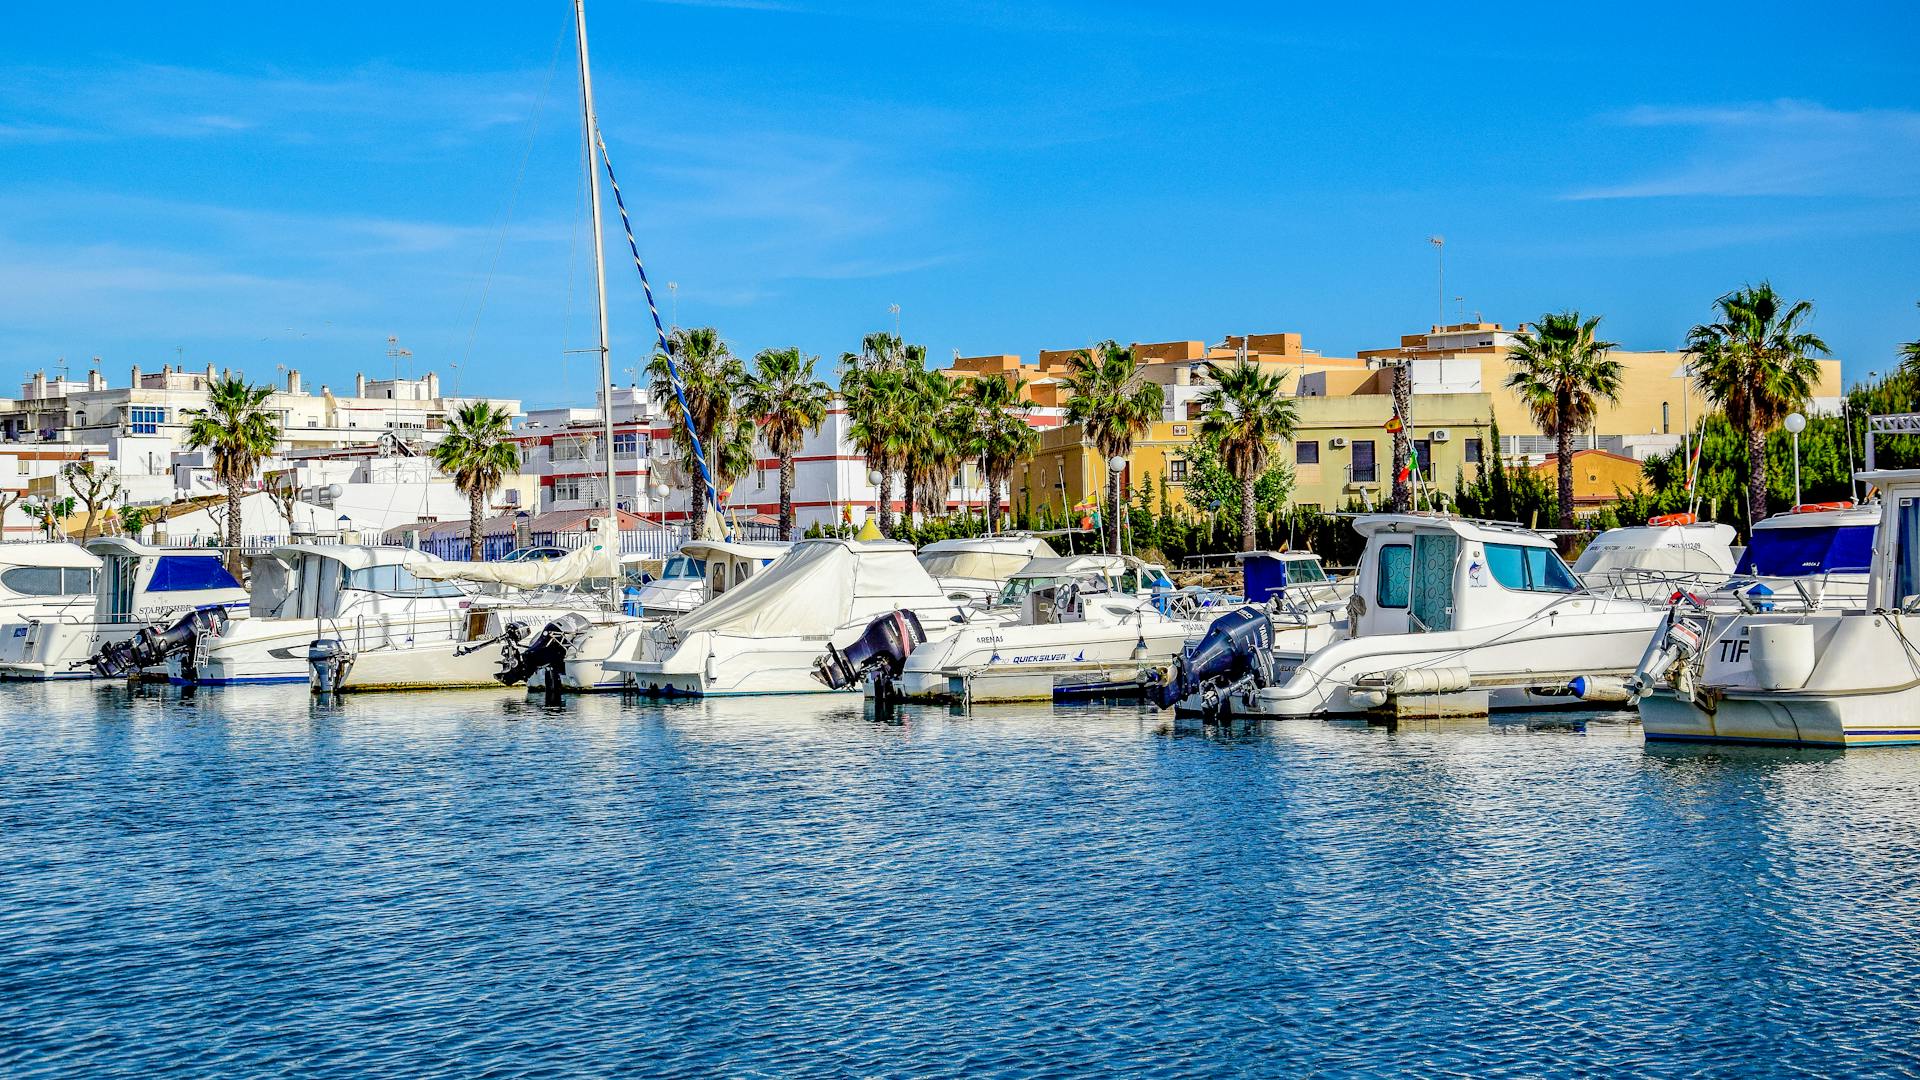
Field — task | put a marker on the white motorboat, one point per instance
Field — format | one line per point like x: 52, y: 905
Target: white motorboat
x: 138, y: 587
x: 976, y: 568
x: 43, y: 580
x: 765, y: 636
x: 365, y: 598
x: 1448, y: 617
x: 1083, y: 625
x: 1801, y: 666
x: 1648, y: 562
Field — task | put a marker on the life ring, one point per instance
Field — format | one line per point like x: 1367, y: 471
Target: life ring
x: 1673, y: 519
x: 1818, y: 508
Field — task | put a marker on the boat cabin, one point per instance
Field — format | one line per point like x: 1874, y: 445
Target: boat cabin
x: 140, y: 583
x: 1428, y: 573
x: 1893, y: 581
x: 704, y: 569
x: 44, y: 578
x: 330, y: 581
x: 1118, y: 573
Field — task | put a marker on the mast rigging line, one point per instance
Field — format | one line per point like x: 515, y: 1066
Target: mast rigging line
x: 666, y: 347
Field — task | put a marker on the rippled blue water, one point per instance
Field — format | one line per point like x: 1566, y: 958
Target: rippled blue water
x: 250, y: 884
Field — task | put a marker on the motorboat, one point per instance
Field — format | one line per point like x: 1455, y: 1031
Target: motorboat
x: 1063, y: 627
x: 978, y: 567
x: 1649, y: 562
x: 1448, y: 617
x: 702, y: 570
x: 364, y: 599
x: 1820, y: 549
x: 42, y: 580
x: 765, y: 636
x: 1801, y: 667
x: 137, y: 587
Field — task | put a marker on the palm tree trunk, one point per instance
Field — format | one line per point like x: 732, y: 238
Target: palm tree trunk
x: 907, y: 494
x: 234, y: 565
x: 1402, y: 439
x: 697, y: 508
x: 993, y: 503
x: 786, y: 495
x: 886, y: 501
x: 475, y: 507
x: 1248, y: 535
x: 1756, y: 474
x: 1563, y: 446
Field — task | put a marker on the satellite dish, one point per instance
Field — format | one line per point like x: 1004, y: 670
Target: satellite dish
x: 333, y: 491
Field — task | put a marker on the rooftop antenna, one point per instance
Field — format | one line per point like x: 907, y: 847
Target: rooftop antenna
x: 673, y: 294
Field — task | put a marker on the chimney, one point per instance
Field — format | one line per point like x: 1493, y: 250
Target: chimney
x: 209, y: 374
x: 39, y: 384
x: 96, y: 381
x: 359, y: 385
x: 433, y: 385
x: 136, y: 377
x: 293, y: 382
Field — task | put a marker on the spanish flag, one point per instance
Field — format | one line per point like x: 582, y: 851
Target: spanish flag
x: 1393, y: 424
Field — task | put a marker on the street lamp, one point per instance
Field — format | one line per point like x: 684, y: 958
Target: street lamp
x: 873, y: 477
x: 1796, y: 424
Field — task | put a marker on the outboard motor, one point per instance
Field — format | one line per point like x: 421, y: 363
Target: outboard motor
x: 152, y: 645
x: 547, y: 652
x: 1229, y: 654
x: 328, y: 661
x: 882, y: 650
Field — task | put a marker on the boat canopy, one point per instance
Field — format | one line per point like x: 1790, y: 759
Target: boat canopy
x: 599, y: 557
x: 1265, y: 573
x: 48, y: 553
x: 1822, y: 543
x: 991, y: 558
x: 1692, y: 549
x: 816, y: 589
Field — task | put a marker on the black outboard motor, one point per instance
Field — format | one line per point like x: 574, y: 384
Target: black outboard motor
x: 881, y: 649
x: 547, y: 653
x: 152, y: 645
x: 1229, y: 654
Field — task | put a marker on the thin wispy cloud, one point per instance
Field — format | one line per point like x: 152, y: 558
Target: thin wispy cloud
x: 1781, y: 148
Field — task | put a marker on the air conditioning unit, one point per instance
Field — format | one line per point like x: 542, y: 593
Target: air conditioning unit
x: 1440, y: 434
x: 1338, y: 442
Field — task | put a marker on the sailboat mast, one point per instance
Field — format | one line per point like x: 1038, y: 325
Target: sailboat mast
x: 591, y: 130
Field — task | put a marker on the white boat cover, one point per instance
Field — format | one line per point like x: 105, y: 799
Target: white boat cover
x: 817, y: 588
x: 599, y: 557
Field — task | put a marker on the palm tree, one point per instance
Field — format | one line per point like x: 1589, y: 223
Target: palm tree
x: 999, y: 434
x: 477, y: 453
x: 711, y: 377
x: 874, y: 383
x: 935, y: 440
x: 1113, y: 403
x: 1245, y: 414
x: 239, y: 432
x: 786, y: 402
x: 1559, y: 372
x: 1757, y: 364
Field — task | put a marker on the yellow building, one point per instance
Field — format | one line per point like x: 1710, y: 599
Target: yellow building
x: 1169, y: 363
x: 1655, y: 398
x: 1598, y: 478
x: 1341, y: 453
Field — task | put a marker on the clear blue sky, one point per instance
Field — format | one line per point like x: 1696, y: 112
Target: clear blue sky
x: 292, y: 185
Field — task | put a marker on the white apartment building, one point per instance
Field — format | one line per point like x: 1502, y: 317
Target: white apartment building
x: 561, y: 447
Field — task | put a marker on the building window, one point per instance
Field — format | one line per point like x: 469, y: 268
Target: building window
x: 1177, y: 471
x: 1666, y: 418
x: 626, y: 444
x: 1306, y: 453
x: 1423, y: 457
x: 566, y: 489
x: 1472, y: 450
x: 145, y: 420
x: 1363, y: 465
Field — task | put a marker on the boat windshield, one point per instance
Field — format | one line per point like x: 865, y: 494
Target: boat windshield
x: 1016, y: 589
x: 1299, y: 570
x: 1795, y: 552
x: 1530, y: 569
x: 683, y: 568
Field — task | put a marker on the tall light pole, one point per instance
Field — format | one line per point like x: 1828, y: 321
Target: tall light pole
x: 1440, y: 251
x: 1796, y: 424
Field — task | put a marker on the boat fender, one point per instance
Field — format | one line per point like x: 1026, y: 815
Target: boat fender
x: 1367, y: 699
x: 1430, y: 680
x: 1601, y: 688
